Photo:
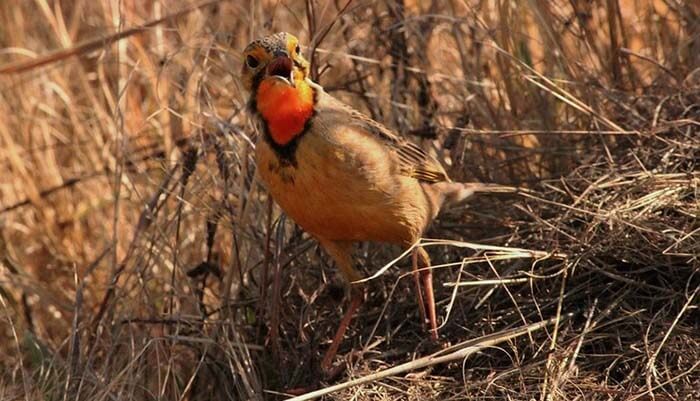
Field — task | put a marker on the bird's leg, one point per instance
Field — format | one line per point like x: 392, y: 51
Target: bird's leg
x: 355, y: 302
x: 417, y: 281
x: 426, y: 275
x: 341, y: 251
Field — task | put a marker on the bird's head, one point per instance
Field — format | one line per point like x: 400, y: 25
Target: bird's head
x: 275, y: 74
x: 274, y: 59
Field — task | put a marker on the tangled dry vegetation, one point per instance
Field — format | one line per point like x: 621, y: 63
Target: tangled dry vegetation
x: 140, y: 259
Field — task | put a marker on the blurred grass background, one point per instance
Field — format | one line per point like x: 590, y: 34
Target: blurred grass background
x: 140, y: 258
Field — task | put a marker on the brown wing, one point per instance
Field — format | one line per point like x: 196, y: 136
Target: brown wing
x: 413, y: 160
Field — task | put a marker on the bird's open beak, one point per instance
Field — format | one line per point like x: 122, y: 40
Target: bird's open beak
x: 281, y: 68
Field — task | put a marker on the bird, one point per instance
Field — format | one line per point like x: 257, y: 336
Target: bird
x: 341, y: 176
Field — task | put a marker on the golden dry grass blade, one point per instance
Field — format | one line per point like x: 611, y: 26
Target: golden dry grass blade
x: 88, y: 46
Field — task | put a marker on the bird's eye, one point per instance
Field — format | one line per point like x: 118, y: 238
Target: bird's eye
x: 251, y: 61
x: 298, y: 50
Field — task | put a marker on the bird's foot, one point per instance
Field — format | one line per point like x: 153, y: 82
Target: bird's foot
x: 333, y: 372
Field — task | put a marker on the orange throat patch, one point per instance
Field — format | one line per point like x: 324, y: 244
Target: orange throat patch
x: 285, y: 109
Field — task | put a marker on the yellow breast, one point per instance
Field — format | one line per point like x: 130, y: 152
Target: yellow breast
x: 342, y: 187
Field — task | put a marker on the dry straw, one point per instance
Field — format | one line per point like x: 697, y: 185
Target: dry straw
x: 141, y: 259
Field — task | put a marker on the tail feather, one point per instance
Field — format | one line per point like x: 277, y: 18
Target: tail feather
x: 455, y: 193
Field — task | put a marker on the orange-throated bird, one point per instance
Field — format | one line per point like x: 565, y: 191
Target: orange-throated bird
x: 340, y: 175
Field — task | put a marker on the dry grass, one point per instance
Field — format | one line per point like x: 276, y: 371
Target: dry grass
x: 140, y: 259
